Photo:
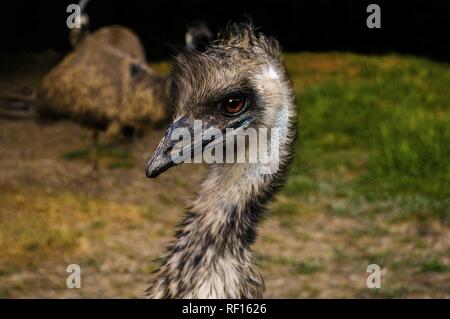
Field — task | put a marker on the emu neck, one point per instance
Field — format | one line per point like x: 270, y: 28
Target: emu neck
x: 211, y: 257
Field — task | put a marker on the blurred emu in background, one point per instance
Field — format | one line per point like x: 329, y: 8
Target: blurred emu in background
x: 104, y: 83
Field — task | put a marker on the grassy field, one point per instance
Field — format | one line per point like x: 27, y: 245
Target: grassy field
x: 370, y: 184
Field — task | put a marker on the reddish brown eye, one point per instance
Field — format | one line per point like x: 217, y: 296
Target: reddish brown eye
x: 233, y: 105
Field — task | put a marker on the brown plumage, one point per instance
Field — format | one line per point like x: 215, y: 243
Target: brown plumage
x: 104, y: 83
x: 211, y: 256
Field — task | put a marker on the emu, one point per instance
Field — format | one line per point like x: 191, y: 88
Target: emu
x: 101, y: 86
x: 119, y: 37
x: 239, y: 81
x: 198, y: 36
x: 104, y: 82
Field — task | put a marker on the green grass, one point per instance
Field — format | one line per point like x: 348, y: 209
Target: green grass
x: 433, y: 265
x: 76, y: 155
x: 287, y: 209
x: 307, y: 268
x: 377, y: 130
x: 113, y: 157
x: 303, y: 267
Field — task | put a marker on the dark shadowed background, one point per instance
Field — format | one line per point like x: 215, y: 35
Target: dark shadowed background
x: 415, y: 27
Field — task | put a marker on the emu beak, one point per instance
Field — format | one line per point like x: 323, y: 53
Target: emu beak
x: 164, y: 158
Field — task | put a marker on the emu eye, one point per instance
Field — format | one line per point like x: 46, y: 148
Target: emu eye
x: 234, y: 105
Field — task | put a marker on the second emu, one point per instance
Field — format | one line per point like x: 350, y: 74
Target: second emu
x: 105, y: 84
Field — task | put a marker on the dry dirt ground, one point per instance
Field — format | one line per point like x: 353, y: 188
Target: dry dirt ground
x: 56, y: 210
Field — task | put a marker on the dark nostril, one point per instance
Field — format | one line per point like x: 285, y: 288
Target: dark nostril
x: 168, y: 150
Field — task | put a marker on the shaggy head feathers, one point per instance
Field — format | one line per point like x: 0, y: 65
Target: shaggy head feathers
x: 231, y: 63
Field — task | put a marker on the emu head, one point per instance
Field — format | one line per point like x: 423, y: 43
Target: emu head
x: 238, y: 82
x: 76, y: 35
x: 198, y: 36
